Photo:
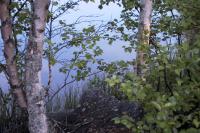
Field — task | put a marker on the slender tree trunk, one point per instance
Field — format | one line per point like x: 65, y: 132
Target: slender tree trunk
x: 34, y: 91
x: 50, y: 53
x: 10, y: 53
x: 143, y: 35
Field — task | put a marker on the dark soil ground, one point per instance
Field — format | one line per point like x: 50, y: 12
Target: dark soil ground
x: 94, y: 115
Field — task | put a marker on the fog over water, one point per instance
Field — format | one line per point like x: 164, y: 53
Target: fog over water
x: 112, y: 52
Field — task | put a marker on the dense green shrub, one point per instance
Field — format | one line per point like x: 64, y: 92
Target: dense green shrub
x: 170, y: 95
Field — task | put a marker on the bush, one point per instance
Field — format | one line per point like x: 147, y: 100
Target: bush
x: 170, y: 95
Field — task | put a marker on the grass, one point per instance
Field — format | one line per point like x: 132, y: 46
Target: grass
x: 14, y: 120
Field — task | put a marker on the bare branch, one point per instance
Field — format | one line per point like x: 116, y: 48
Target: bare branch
x: 67, y: 83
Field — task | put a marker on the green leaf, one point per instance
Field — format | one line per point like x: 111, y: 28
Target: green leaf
x: 55, y: 3
x: 117, y: 120
x: 156, y: 105
x: 196, y: 122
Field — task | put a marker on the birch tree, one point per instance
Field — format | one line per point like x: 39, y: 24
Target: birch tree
x: 130, y: 9
x: 143, y: 35
x: 10, y: 53
x: 35, y: 93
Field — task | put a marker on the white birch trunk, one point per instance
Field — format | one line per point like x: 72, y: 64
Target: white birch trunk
x: 10, y: 53
x: 35, y: 93
x: 143, y: 35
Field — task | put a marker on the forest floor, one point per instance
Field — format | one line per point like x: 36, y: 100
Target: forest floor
x: 95, y: 114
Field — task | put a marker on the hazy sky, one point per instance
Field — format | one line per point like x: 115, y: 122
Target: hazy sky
x: 111, y: 53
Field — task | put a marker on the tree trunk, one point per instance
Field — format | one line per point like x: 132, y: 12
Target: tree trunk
x: 35, y: 93
x: 10, y: 53
x: 143, y: 35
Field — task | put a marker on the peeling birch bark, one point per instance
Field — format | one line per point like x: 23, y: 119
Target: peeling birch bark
x: 35, y: 93
x: 10, y: 53
x: 143, y: 35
